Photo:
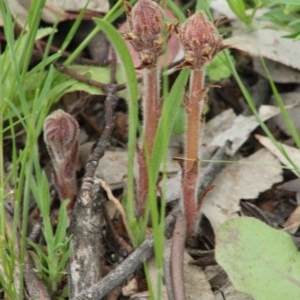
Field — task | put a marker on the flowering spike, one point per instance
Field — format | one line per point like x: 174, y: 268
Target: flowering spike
x: 145, y: 31
x: 200, y: 40
x: 61, y: 137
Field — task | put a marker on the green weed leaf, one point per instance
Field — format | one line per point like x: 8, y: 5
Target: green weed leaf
x: 260, y: 260
x: 121, y: 48
x: 218, y: 69
x: 100, y: 74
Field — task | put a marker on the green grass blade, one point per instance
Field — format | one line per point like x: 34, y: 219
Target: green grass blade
x: 120, y: 46
x: 253, y: 109
x: 291, y: 127
x: 170, y: 109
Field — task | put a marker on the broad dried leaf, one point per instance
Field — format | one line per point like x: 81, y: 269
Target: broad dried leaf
x: 259, y: 259
x: 237, y: 129
x: 280, y: 73
x: 54, y: 10
x: 112, y: 167
x: 290, y: 100
x: 242, y: 180
x: 292, y: 153
x: 76, y: 5
x: 266, y: 42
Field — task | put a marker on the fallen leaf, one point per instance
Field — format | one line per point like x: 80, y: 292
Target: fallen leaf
x: 236, y: 129
x: 244, y: 179
x: 130, y: 288
x: 263, y: 41
x: 290, y: 158
x: 292, y: 153
x: 76, y: 5
x: 112, y: 167
x: 54, y: 10
x: 230, y: 293
x: 280, y: 73
x: 289, y: 99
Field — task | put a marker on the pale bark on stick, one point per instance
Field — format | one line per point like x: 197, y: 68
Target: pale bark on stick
x: 86, y: 242
x: 120, y: 274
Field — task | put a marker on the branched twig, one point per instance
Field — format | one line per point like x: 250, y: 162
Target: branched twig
x: 87, y: 218
x: 88, y: 81
x: 120, y: 274
x: 91, y: 166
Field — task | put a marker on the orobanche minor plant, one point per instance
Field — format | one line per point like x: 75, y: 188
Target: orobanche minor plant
x: 201, y: 43
x: 146, y: 29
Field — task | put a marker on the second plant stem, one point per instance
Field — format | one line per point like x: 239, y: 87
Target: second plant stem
x: 194, y: 107
x: 151, y: 114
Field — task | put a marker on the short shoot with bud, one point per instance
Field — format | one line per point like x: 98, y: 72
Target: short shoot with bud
x: 61, y: 132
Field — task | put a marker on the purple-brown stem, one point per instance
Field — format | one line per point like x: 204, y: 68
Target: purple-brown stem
x: 152, y: 111
x: 190, y: 179
x: 146, y: 28
x: 201, y: 43
x: 152, y: 107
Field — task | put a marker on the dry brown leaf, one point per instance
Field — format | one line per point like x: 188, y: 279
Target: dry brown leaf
x: 112, y: 167
x: 242, y: 180
x: 236, y: 129
x: 230, y: 293
x: 54, y: 10
x: 293, y: 222
x: 289, y: 99
x: 293, y: 153
x: 280, y: 73
x: 264, y: 42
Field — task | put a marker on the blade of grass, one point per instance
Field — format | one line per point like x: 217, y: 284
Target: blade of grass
x: 253, y: 109
x: 291, y: 127
x: 120, y: 46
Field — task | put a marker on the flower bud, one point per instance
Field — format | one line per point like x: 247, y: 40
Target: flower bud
x: 145, y: 31
x: 200, y: 40
x: 61, y: 132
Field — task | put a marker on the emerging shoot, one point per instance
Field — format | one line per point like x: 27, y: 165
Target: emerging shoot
x: 61, y: 137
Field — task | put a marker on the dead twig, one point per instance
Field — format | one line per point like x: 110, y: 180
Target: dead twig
x: 167, y: 269
x: 178, y: 244
x: 87, y: 218
x: 88, y: 81
x: 120, y: 274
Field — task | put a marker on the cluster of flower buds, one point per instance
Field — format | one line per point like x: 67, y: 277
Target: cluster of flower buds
x: 146, y: 29
x: 61, y: 132
x: 200, y: 40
